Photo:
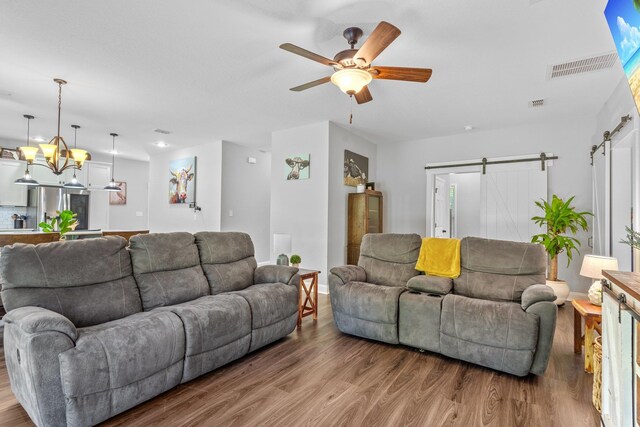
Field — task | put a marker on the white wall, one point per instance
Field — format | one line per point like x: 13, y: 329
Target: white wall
x: 341, y: 139
x: 125, y: 217
x: 401, y: 171
x: 165, y: 217
x: 246, y: 195
x: 300, y: 207
x: 468, y: 188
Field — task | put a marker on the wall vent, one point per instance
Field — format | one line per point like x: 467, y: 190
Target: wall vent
x: 536, y: 103
x: 584, y: 65
x: 162, y: 131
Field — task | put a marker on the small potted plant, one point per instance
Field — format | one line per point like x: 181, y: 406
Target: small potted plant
x: 295, y: 260
x: 559, y: 218
x: 64, y: 222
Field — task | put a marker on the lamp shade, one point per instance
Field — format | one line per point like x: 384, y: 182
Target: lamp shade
x: 592, y: 265
x: 29, y: 153
x: 282, y: 243
x: 351, y: 80
x: 48, y: 150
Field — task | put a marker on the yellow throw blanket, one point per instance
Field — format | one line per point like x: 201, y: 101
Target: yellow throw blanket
x: 439, y: 257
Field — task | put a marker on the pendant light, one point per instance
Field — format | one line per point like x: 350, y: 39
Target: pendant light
x: 77, y: 155
x: 29, y: 154
x: 112, y: 186
x: 56, y: 152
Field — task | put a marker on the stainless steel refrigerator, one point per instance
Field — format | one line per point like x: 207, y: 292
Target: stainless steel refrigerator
x: 43, y: 202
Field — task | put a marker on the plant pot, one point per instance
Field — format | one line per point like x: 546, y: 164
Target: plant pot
x: 295, y: 265
x: 561, y: 289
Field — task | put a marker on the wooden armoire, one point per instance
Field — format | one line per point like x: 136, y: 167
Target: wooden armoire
x: 364, y: 216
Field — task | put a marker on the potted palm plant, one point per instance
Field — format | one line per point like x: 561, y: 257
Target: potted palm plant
x: 559, y: 218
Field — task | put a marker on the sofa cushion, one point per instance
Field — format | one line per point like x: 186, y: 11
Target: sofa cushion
x: 217, y: 330
x: 227, y: 259
x: 498, y: 335
x: 367, y: 301
x: 116, y: 365
x: 167, y: 269
x: 390, y: 259
x: 270, y: 302
x: 499, y: 270
x: 274, y: 311
x: 88, y: 281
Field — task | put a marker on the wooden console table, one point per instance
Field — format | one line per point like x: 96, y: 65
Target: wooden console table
x: 592, y: 315
x: 308, y: 303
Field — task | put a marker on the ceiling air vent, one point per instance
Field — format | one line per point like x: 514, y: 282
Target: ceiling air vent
x: 536, y: 103
x: 584, y: 65
x: 162, y: 131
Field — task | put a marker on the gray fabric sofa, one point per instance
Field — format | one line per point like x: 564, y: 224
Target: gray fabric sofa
x: 498, y: 313
x: 94, y: 328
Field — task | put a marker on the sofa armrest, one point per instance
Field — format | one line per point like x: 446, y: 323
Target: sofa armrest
x: 276, y: 274
x: 350, y: 273
x: 32, y: 320
x: 431, y: 284
x: 547, y: 313
x: 537, y: 293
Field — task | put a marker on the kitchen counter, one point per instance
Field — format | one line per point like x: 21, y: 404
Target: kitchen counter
x: 9, y: 237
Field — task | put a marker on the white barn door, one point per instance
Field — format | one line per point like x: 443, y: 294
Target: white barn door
x: 507, y: 203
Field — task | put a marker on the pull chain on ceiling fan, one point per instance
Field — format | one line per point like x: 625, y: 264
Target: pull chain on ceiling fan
x: 353, y: 68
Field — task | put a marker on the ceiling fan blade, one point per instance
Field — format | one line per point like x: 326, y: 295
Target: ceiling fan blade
x: 307, y: 54
x: 311, y: 84
x: 364, y: 95
x: 380, y: 38
x: 421, y: 75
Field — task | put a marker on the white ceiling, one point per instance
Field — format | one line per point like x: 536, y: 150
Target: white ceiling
x: 213, y: 70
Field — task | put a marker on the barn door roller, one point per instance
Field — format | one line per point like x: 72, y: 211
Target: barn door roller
x: 484, y: 162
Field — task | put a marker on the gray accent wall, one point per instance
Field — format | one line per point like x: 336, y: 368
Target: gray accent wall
x: 246, y: 195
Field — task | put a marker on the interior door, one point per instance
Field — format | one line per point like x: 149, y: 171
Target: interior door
x: 441, y: 204
x: 621, y: 200
x: 507, y: 201
x: 600, y: 176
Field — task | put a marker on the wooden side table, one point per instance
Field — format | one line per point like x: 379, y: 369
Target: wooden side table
x: 308, y: 303
x: 592, y: 315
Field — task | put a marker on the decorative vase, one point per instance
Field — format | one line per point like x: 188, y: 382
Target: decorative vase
x: 561, y: 289
x: 595, y: 293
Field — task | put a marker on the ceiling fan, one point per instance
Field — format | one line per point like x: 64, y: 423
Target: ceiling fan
x: 353, y: 67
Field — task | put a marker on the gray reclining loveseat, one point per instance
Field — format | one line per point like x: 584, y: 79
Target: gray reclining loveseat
x: 498, y: 313
x: 94, y: 328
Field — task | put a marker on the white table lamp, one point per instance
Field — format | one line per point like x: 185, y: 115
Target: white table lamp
x: 282, y: 245
x: 592, y: 266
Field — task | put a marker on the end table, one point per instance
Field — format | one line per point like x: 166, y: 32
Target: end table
x: 308, y: 303
x: 592, y: 315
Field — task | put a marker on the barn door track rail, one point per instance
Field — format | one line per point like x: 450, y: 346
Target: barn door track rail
x: 607, y: 135
x: 542, y: 159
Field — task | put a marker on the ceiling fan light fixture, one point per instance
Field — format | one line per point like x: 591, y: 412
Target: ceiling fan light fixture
x: 351, y: 80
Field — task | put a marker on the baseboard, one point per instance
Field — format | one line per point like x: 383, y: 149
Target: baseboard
x: 577, y: 295
x: 323, y: 289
